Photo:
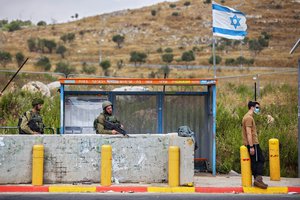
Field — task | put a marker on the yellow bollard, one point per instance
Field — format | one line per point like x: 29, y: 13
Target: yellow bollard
x: 106, y: 165
x: 37, y: 165
x: 274, y: 159
x: 245, y: 167
x: 174, y: 164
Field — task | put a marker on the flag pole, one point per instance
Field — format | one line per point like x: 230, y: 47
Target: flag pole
x: 214, y: 58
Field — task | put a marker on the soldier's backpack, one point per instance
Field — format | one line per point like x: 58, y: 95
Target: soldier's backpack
x: 185, y: 131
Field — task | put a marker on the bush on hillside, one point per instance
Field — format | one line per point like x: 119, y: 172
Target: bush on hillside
x: 68, y: 37
x: 61, y: 49
x: 41, y: 23
x: 5, y: 58
x: 88, y: 69
x: 218, y: 60
x: 119, y: 39
x: 168, y: 50
x: 138, y: 57
x: 175, y: 14
x: 153, y: 12
x: 187, y: 3
x: 188, y: 56
x: 167, y: 58
x: 20, y: 58
x: 44, y: 63
x: 65, y: 68
x: 105, y: 65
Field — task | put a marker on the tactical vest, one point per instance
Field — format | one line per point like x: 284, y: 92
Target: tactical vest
x: 35, y: 123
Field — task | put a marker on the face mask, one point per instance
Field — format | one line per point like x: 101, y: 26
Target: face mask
x: 256, y: 111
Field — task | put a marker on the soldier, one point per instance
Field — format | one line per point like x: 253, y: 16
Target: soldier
x: 31, y: 121
x: 108, y: 116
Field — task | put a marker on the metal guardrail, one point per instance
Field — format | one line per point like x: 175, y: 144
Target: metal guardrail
x: 32, y: 72
x: 259, y: 74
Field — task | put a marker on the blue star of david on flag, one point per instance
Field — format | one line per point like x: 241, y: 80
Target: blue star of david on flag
x: 235, y: 21
x: 228, y: 22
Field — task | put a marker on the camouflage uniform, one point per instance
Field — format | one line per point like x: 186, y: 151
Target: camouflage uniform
x: 100, y: 127
x: 32, y: 122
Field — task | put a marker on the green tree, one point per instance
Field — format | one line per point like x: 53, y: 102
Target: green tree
x: 172, y: 5
x: 3, y: 22
x: 14, y: 26
x: 153, y: 12
x: 187, y: 3
x: 41, y: 23
x: 31, y: 43
x: 188, y: 56
x: 71, y: 37
x: 68, y: 37
x: 167, y: 58
x: 255, y: 46
x: 88, y: 69
x: 105, y: 65
x: 50, y: 45
x: 119, y: 39
x: 64, y: 38
x: 168, y: 50
x: 61, y: 49
x: 65, y: 68
x: 138, y: 57
x: 41, y: 45
x: 175, y: 14
x: 20, y: 58
x: 229, y: 61
x: 5, y: 58
x: 44, y: 63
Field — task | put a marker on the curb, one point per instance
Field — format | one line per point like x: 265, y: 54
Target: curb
x: 23, y: 188
x: 142, y: 189
x: 219, y: 189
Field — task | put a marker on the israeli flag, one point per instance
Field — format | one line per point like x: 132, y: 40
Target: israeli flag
x: 228, y: 22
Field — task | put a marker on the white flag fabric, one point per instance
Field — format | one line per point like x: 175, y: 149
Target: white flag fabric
x: 228, y: 22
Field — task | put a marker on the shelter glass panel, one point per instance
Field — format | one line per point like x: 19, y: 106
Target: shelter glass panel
x: 80, y: 112
x: 137, y: 113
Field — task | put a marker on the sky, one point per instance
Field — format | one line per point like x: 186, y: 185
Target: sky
x: 60, y: 11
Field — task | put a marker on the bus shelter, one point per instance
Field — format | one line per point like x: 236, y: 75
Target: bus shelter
x: 144, y: 106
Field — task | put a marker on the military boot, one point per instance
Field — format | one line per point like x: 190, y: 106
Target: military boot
x: 258, y: 182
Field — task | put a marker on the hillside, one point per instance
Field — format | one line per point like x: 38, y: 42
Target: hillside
x: 191, y: 29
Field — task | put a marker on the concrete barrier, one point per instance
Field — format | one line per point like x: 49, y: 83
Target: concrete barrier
x: 76, y: 158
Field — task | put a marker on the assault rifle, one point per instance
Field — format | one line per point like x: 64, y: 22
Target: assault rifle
x: 115, y: 126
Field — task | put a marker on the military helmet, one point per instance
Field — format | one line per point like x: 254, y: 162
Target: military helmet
x: 105, y: 104
x: 37, y: 101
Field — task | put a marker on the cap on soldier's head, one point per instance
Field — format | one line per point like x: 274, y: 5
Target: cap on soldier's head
x: 37, y: 101
x: 105, y: 104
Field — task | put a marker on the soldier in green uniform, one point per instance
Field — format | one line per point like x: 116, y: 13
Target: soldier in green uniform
x: 32, y: 121
x: 106, y: 115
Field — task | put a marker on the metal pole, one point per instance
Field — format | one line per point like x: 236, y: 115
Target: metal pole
x: 299, y: 117
x: 214, y: 59
x: 258, y: 85
x: 255, y: 91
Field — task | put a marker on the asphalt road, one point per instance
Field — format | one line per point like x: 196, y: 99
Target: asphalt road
x: 143, y: 196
